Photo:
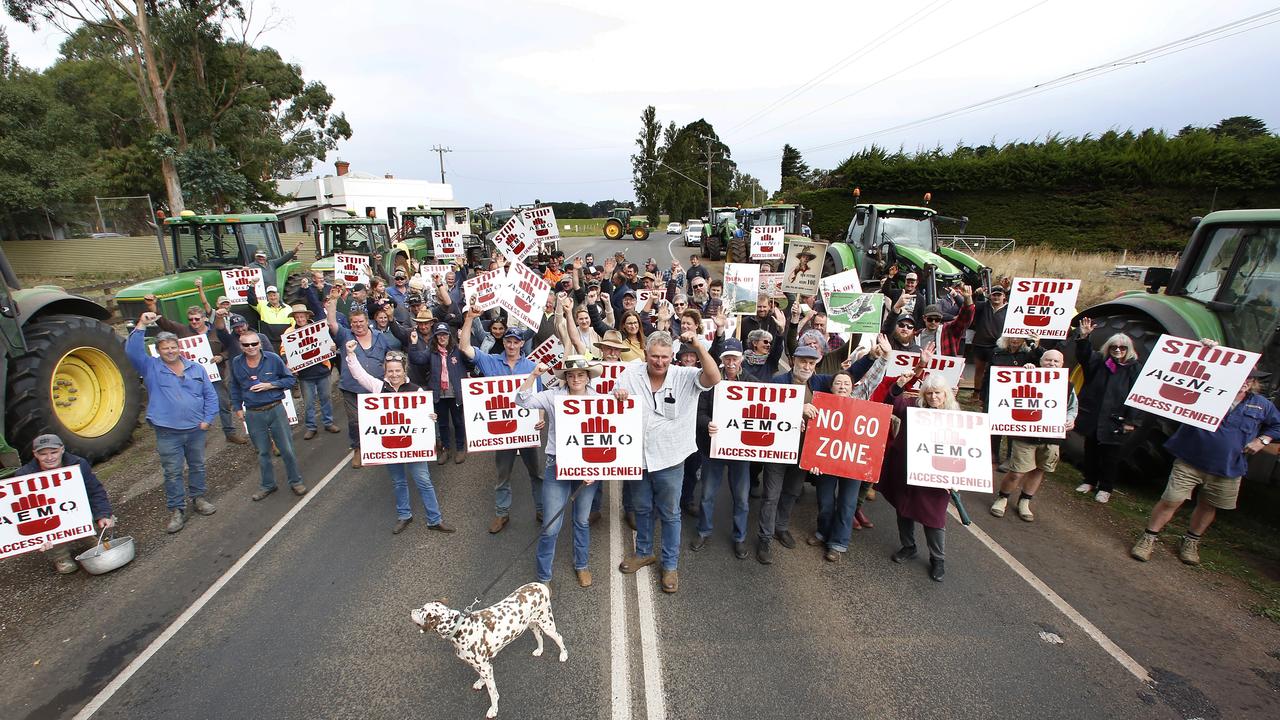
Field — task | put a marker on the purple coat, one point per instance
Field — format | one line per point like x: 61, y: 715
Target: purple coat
x: 927, y: 506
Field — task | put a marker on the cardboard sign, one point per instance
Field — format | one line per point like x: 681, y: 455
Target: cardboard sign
x: 599, y: 437
x: 196, y: 349
x: 757, y: 421
x: 308, y: 345
x: 847, y: 438
x: 804, y: 267
x: 952, y: 368
x: 771, y: 284
x: 541, y: 222
x: 741, y: 288
x: 642, y: 297
x: 493, y: 420
x: 1029, y: 403
x: 845, y: 282
x: 236, y: 284
x: 350, y: 268
x: 709, y: 329
x: 483, y: 290
x: 447, y: 244
x: 1041, y: 307
x: 1188, y: 381
x: 608, y: 379
x: 513, y: 240
x: 429, y: 273
x: 550, y: 352
x: 396, y: 427
x: 854, y: 312
x: 50, y: 505
x: 767, y: 242
x: 948, y: 449
x: 525, y: 296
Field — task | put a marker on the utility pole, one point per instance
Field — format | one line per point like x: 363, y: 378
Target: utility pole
x: 441, y: 151
x: 709, y: 140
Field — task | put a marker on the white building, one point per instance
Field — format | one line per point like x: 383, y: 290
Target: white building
x: 331, y: 196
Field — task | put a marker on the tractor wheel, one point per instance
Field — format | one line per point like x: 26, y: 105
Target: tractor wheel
x: 830, y: 267
x: 612, y: 230
x: 74, y: 381
x: 640, y: 233
x: 738, y: 252
x: 711, y: 247
x: 293, y: 289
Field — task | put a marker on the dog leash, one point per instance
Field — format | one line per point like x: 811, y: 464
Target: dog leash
x: 517, y: 556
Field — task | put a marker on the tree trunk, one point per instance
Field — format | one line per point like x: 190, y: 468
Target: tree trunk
x: 160, y: 106
x: 172, y: 186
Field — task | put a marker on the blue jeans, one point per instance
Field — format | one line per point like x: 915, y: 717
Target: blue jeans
x: 449, y: 412
x: 421, y: 474
x: 837, y: 501
x: 224, y: 408
x: 176, y: 447
x: 713, y: 471
x: 555, y: 496
x: 316, y: 389
x: 690, y: 482
x: 505, y: 461
x: 659, y: 491
x: 264, y: 427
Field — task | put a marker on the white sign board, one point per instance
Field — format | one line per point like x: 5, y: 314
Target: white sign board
x: 1188, y: 381
x: 1041, y: 307
x: 525, y: 296
x: 845, y: 282
x: 599, y: 437
x: 429, y: 273
x: 493, y: 420
x: 771, y: 284
x: 549, y: 353
x: 1029, y: 402
x: 804, y: 266
x: 952, y: 368
x: 396, y: 427
x: 541, y: 222
x: 350, y: 268
x: 767, y: 242
x: 741, y: 288
x: 47, y: 506
x: 196, y: 349
x: 757, y: 421
x: 447, y: 244
x: 609, y: 372
x: 308, y: 345
x: 513, y: 240
x: 948, y: 449
x: 484, y: 290
x: 236, y: 283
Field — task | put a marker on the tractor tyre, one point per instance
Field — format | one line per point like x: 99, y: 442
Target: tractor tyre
x: 74, y: 381
x: 612, y: 230
x: 738, y: 252
x: 640, y: 233
x: 711, y: 247
x: 293, y: 289
x: 830, y: 266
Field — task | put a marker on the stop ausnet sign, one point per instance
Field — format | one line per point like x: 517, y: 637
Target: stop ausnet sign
x: 757, y: 421
x: 396, y: 428
x: 1191, y: 382
x: 1029, y: 403
x: 1041, y: 307
x: 493, y: 420
x: 948, y: 449
x: 600, y: 438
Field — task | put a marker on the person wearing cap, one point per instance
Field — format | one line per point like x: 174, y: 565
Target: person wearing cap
x: 231, y: 327
x: 268, y: 267
x: 372, y: 351
x: 181, y: 405
x: 947, y: 335
x: 274, y: 317
x: 988, y: 326
x: 48, y: 453
x: 901, y: 333
x: 314, y: 381
x: 714, y: 470
x: 435, y: 353
x: 783, y: 483
x: 575, y: 373
x: 258, y: 383
x: 399, y: 289
x: 903, y: 298
x: 511, y: 362
x: 1211, y: 463
x: 314, y: 291
x: 669, y: 396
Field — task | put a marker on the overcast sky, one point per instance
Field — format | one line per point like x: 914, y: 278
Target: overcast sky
x: 543, y: 99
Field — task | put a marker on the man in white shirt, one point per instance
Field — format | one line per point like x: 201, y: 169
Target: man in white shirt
x: 669, y: 396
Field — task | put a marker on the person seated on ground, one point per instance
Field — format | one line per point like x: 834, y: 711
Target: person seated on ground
x: 50, y: 454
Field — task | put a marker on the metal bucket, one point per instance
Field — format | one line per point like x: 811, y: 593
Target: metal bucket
x: 107, y: 556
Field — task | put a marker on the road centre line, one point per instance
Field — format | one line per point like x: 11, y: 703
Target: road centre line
x: 118, y: 682
x: 619, y: 659
x: 1112, y: 649
x: 655, y: 701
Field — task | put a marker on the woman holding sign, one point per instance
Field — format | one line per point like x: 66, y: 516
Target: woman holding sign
x: 575, y: 373
x: 837, y: 496
x: 1104, y: 420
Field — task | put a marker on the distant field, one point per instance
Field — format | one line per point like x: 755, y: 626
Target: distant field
x: 592, y: 227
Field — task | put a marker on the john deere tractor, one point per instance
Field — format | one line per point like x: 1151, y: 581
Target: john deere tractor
x: 621, y: 223
x: 880, y: 236
x: 364, y: 236
x: 64, y: 372
x: 1226, y: 287
x: 720, y: 236
x: 417, y: 224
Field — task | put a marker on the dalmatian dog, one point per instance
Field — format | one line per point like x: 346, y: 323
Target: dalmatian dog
x: 478, y: 637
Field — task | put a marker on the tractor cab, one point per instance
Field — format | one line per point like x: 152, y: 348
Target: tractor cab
x: 791, y: 217
x: 357, y: 235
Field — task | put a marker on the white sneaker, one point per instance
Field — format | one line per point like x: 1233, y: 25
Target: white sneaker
x: 1102, y: 496
x: 997, y: 507
x: 1083, y: 488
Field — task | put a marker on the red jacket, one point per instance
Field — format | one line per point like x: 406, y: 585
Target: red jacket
x: 951, y: 334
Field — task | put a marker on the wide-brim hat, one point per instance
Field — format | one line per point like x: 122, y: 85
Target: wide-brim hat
x: 577, y: 362
x: 295, y: 309
x: 806, y: 255
x: 612, y: 339
x: 423, y: 318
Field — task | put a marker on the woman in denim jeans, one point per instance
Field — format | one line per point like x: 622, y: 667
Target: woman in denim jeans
x: 837, y: 496
x: 576, y: 372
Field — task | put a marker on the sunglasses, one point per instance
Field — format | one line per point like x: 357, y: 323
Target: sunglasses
x: 911, y: 326
x: 933, y: 319
x: 245, y: 344
x: 699, y: 287
x: 767, y: 342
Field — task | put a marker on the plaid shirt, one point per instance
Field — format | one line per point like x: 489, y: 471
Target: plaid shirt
x: 951, y: 334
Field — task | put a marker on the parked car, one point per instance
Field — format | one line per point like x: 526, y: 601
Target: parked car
x: 673, y: 228
x: 693, y: 232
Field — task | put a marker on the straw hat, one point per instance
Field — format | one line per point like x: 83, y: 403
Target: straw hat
x: 612, y: 339
x: 577, y: 362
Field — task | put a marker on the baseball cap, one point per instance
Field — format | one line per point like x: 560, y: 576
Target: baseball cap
x: 628, y: 291
x: 46, y: 441
x: 591, y: 269
x: 511, y: 333
x: 1256, y: 374
x: 399, y: 274
x: 441, y: 329
x: 804, y: 351
x: 358, y: 287
x: 911, y: 276
x: 933, y: 311
x: 906, y: 317
x: 414, y: 298
x: 260, y: 253
x: 238, y: 320
x: 998, y: 290
x: 272, y: 288
x: 687, y: 349
x: 223, y: 299
x: 732, y: 346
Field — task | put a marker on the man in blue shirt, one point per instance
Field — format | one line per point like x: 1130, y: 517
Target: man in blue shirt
x: 372, y: 348
x: 259, y: 381
x: 181, y: 404
x: 1215, y: 462
x: 510, y: 362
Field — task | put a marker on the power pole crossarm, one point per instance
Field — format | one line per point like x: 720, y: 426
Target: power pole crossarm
x: 440, y: 150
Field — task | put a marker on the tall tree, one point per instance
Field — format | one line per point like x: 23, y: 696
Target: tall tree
x: 1240, y: 127
x: 685, y: 159
x: 795, y: 172
x: 644, y: 165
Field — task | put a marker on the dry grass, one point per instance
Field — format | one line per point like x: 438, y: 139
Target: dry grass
x: 1090, y: 267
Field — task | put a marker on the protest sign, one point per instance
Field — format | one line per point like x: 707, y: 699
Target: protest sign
x: 541, y: 222
x: 847, y: 438
x: 429, y: 273
x: 396, y: 427
x: 483, y: 290
x: 709, y: 329
x: 46, y: 506
x: 350, y: 268
x: 1029, y: 402
x: 447, y: 244
x: 525, y: 296
x: 845, y: 282
x: 1188, y: 381
x: 771, y: 284
x: 599, y: 437
x: 513, y: 240
x: 493, y: 420
x: 952, y: 368
x: 308, y: 345
x: 741, y: 288
x: 608, y: 377
x: 757, y: 421
x: 948, y: 449
x: 550, y: 352
x: 1041, y: 307
x: 854, y: 312
x: 237, y: 281
x: 804, y: 266
x: 658, y: 294
x: 767, y: 241
x: 196, y: 349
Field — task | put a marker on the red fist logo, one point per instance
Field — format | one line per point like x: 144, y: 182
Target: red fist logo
x: 1034, y: 318
x: 761, y: 437
x: 518, y: 248
x: 599, y: 455
x: 521, y: 302
x: 540, y: 227
x: 766, y: 244
x: 395, y: 442
x: 497, y: 406
x: 1184, y: 396
x: 1028, y: 414
x: 949, y: 463
x: 486, y: 294
x: 35, y: 514
x: 604, y: 387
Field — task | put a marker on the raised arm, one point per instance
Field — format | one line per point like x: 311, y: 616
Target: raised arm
x: 358, y: 373
x: 464, y: 335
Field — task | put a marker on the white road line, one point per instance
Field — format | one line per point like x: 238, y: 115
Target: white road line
x: 619, y: 659
x: 671, y: 255
x: 118, y: 682
x: 655, y: 701
x: 1056, y: 600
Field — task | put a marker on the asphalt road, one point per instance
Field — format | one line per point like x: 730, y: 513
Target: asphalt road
x: 315, y: 623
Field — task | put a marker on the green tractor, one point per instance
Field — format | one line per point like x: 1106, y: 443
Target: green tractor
x: 1226, y: 287
x: 906, y: 235
x: 621, y: 223
x: 416, y: 225
x: 719, y: 236
x: 201, y: 247
x: 64, y: 372
x: 363, y: 236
